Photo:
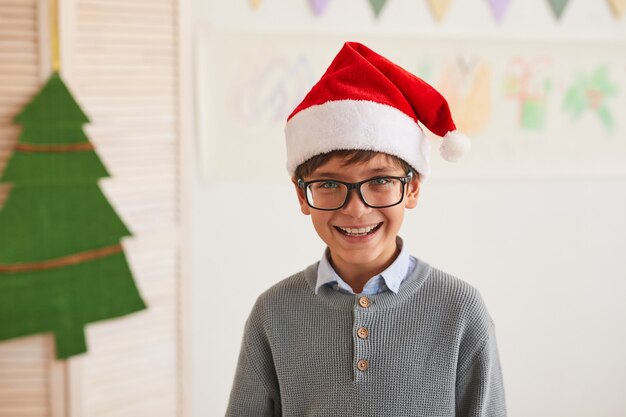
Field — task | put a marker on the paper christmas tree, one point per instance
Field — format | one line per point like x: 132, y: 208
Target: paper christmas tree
x: 61, y: 262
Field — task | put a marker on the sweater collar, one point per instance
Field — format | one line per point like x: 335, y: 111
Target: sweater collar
x: 392, y: 276
x: 381, y: 301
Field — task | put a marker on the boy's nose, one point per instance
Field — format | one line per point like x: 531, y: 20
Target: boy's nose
x: 355, y: 207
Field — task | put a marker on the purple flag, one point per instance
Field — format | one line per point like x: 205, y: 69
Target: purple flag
x: 319, y: 6
x: 498, y: 7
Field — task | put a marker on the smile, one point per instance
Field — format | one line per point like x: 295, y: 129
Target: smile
x: 361, y: 231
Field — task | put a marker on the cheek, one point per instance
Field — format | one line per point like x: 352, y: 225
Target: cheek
x: 321, y: 222
x: 395, y: 216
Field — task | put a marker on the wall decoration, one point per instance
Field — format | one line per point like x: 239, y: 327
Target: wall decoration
x: 319, y: 6
x: 557, y: 7
x: 439, y: 8
x: 499, y: 8
x: 528, y: 84
x: 377, y: 6
x: 618, y: 7
x: 594, y: 93
x: 270, y: 87
x: 530, y: 107
x: 467, y: 85
x: 61, y: 262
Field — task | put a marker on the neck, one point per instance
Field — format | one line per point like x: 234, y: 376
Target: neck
x: 357, y: 275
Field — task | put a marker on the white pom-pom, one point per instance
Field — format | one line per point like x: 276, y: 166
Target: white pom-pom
x: 454, y: 146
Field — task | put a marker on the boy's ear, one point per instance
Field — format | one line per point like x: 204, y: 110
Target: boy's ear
x: 304, y: 207
x: 412, y: 192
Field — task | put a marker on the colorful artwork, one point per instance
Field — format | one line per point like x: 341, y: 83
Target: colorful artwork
x: 592, y: 93
x: 618, y: 7
x: 466, y: 84
x: 272, y: 89
x: 529, y: 106
x: 527, y: 82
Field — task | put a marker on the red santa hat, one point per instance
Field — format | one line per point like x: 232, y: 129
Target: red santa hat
x: 364, y: 101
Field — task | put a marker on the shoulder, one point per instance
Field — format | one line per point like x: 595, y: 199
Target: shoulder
x: 459, y: 301
x: 454, y: 289
x: 286, y: 293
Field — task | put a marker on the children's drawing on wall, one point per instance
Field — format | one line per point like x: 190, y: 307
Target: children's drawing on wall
x: 527, y: 81
x: 466, y: 82
x: 593, y: 92
x: 271, y: 88
x: 529, y: 106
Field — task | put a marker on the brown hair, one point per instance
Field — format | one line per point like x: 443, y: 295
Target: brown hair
x: 352, y: 156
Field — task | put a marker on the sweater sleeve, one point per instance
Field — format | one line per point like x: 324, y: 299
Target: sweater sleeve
x: 480, y: 388
x: 255, y: 388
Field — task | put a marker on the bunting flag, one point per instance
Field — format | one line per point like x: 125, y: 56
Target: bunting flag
x: 255, y: 4
x: 618, y: 7
x: 319, y: 6
x: 439, y: 8
x: 558, y: 6
x: 377, y: 5
x: 499, y: 7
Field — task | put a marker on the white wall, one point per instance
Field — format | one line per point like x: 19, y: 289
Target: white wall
x: 547, y: 254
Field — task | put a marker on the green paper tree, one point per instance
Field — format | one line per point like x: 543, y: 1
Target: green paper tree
x: 61, y: 262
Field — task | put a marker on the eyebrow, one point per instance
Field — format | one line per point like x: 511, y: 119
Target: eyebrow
x: 373, y: 172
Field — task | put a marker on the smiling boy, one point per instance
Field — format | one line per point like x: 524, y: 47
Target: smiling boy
x: 369, y: 330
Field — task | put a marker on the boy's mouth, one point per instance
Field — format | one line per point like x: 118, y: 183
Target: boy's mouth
x: 361, y: 231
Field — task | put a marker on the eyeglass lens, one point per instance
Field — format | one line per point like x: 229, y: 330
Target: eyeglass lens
x: 379, y: 192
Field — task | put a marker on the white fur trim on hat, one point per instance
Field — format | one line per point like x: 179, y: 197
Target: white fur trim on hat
x: 355, y: 124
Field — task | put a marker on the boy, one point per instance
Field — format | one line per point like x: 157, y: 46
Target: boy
x: 368, y: 330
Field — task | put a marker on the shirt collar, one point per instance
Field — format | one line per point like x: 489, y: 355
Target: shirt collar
x: 393, y: 275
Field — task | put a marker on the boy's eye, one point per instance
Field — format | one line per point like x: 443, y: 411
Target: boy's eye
x: 328, y: 185
x: 380, y: 181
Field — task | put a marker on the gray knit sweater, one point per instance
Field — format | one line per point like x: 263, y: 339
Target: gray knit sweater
x: 429, y: 351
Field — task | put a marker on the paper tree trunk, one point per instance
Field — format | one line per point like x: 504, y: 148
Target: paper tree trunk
x: 61, y: 262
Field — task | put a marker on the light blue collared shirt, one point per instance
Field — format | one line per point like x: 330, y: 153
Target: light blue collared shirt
x: 390, y: 279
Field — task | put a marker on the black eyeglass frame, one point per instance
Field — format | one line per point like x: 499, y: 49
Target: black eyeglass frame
x: 356, y: 186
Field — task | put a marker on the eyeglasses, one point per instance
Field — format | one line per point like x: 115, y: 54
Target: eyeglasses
x: 377, y: 192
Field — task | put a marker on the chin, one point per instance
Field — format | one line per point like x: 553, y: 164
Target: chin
x: 358, y: 257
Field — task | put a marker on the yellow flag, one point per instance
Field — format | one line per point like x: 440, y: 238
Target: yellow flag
x: 618, y: 7
x: 255, y: 3
x: 439, y: 8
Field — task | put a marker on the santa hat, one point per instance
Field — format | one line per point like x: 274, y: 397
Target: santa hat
x: 364, y: 101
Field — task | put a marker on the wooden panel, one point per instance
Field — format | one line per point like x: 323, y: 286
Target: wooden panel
x: 124, y: 71
x: 122, y: 68
x: 25, y: 363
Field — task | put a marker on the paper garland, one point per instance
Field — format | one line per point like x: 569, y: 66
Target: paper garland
x: 499, y: 7
x: 61, y: 262
x: 618, y: 7
x: 319, y: 6
x: 439, y: 8
x: 377, y: 6
x: 557, y: 7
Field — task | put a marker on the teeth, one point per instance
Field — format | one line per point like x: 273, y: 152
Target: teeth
x: 357, y: 231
